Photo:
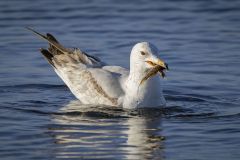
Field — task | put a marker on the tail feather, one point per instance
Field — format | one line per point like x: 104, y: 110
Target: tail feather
x: 51, y: 40
x: 52, y: 48
x: 57, y: 55
x: 51, y: 37
x: 48, y: 56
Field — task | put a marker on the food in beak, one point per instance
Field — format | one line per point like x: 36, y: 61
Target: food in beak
x: 153, y: 71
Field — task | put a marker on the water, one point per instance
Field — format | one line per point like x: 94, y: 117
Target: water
x: 40, y: 118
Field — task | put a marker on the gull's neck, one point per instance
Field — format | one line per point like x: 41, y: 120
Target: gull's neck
x: 136, y: 74
x: 148, y: 94
x: 135, y: 77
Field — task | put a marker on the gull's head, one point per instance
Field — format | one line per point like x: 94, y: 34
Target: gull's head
x: 145, y: 57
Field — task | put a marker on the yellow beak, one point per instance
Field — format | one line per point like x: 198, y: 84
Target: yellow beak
x: 158, y: 65
x: 158, y: 62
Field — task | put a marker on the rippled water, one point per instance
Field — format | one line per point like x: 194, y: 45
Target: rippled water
x: 40, y: 118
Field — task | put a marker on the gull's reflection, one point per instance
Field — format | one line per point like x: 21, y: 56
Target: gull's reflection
x: 144, y: 135
x: 93, y: 132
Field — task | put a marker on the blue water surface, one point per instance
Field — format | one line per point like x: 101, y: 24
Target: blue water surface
x: 200, y: 40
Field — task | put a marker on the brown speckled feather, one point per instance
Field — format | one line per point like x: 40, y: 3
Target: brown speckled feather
x: 57, y: 52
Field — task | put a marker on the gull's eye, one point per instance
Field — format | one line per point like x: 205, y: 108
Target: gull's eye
x: 143, y: 53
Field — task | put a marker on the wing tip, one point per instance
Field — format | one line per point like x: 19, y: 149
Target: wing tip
x: 47, y: 55
x: 50, y: 36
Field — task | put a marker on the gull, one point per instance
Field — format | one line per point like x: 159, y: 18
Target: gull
x: 94, y: 82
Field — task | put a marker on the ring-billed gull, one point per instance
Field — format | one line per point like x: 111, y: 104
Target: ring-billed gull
x: 94, y: 82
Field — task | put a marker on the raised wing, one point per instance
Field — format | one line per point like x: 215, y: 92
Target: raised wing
x: 56, y: 50
x: 83, y: 74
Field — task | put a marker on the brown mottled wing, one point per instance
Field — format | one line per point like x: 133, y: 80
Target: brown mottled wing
x: 74, y: 55
x: 82, y: 73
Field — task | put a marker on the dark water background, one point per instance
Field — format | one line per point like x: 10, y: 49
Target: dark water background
x: 200, y: 40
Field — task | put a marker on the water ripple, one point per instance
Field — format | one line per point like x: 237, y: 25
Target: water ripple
x: 199, y: 40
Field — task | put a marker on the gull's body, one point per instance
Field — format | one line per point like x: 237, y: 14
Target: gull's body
x: 94, y: 82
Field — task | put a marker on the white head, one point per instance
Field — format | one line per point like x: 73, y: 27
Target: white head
x: 145, y: 56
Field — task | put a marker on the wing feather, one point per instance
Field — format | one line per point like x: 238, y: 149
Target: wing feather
x: 84, y: 74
